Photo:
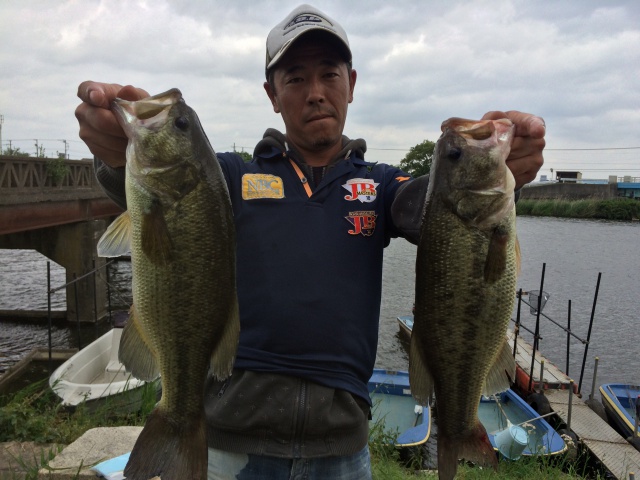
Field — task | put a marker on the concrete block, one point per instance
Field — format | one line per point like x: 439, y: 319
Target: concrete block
x: 95, y: 446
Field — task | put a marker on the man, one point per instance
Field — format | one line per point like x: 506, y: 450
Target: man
x: 309, y: 260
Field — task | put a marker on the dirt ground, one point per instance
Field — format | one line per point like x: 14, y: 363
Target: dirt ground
x: 16, y: 458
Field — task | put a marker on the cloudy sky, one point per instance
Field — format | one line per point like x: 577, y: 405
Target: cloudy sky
x: 576, y: 63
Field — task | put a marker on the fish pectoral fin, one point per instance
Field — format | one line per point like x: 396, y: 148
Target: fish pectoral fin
x: 420, y: 378
x: 224, y: 354
x: 496, y: 262
x: 502, y: 373
x: 116, y: 240
x: 135, y: 352
x: 156, y: 240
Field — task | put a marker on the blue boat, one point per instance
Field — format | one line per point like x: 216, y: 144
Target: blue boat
x: 500, y: 412
x: 395, y: 410
x: 405, y: 322
x: 622, y: 403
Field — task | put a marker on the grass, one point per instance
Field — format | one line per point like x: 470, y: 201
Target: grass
x: 389, y: 463
x: 624, y: 209
x: 35, y: 415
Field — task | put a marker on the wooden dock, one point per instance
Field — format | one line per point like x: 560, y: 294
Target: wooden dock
x: 553, y: 377
x: 614, y: 452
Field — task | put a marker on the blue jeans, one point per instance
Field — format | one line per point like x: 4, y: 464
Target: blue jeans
x: 242, y: 466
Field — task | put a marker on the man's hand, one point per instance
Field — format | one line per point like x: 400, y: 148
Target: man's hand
x: 525, y: 158
x: 99, y: 128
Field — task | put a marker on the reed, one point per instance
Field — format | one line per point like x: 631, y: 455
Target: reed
x: 624, y: 209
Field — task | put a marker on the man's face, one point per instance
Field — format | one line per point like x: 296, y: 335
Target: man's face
x: 313, y: 88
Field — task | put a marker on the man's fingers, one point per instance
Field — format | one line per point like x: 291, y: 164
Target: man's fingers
x: 129, y: 92
x: 102, y: 94
x: 98, y: 94
x: 527, y: 125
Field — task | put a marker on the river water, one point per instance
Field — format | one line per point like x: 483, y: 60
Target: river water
x: 574, y: 251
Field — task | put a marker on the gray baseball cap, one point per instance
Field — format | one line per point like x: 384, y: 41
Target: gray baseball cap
x: 303, y: 19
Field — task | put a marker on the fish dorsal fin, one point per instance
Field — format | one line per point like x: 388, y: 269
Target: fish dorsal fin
x: 224, y: 354
x: 156, y: 240
x: 420, y: 377
x: 116, y: 240
x: 502, y: 372
x: 135, y: 352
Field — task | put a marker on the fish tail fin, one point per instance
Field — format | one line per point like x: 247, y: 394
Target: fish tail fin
x: 225, y: 352
x: 169, y: 450
x: 474, y: 447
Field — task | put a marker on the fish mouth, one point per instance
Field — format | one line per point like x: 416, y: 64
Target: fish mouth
x: 493, y: 136
x: 150, y: 113
x: 482, y: 132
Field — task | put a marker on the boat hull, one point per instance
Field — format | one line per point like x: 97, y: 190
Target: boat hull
x: 395, y: 410
x: 620, y: 401
x: 95, y: 377
x: 542, y: 439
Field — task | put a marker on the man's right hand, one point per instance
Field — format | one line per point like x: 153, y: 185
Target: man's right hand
x: 99, y: 128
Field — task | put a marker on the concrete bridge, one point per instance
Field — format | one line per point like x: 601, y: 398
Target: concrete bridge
x: 61, y: 216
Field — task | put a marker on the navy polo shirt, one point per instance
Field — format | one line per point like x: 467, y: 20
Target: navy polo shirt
x: 309, y: 268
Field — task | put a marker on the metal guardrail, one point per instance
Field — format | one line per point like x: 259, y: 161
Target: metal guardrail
x: 26, y: 174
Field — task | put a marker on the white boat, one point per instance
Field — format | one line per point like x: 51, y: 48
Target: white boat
x: 95, y: 376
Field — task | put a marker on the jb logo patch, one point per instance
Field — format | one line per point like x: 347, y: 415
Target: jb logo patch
x: 362, y: 189
x: 364, y: 223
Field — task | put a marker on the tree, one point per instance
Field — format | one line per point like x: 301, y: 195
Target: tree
x: 15, y: 152
x: 418, y: 161
x: 246, y: 156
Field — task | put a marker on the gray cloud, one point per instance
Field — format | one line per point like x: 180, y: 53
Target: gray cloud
x: 576, y: 63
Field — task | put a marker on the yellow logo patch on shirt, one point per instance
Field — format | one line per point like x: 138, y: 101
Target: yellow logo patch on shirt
x: 261, y: 185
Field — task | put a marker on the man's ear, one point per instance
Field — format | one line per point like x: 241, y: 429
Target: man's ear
x: 272, y: 96
x: 352, y: 84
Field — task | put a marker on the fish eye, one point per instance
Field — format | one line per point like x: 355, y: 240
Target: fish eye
x: 454, y: 153
x: 182, y: 123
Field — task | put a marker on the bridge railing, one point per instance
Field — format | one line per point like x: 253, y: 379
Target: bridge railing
x: 31, y: 179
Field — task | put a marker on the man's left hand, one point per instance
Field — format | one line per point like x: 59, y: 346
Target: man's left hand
x: 525, y: 159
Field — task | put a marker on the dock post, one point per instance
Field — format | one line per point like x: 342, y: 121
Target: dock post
x: 542, y: 376
x: 516, y: 329
x: 569, y: 407
x: 536, y: 336
x: 593, y: 382
x: 586, y: 348
x: 635, y: 430
x: 75, y: 294
x: 49, y: 314
x: 568, y: 335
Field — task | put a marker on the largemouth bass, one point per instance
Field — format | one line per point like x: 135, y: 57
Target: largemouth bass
x: 180, y: 232
x: 466, y: 272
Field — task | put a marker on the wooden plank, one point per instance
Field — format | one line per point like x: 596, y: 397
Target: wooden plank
x: 615, y: 453
x: 554, y: 378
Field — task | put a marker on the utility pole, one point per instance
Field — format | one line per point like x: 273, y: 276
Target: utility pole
x: 66, y: 148
x: 1, y: 122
